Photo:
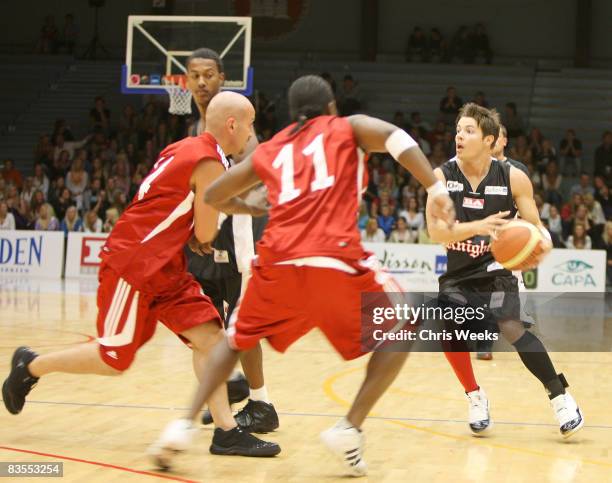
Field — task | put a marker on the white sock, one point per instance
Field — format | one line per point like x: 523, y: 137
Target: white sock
x: 260, y: 394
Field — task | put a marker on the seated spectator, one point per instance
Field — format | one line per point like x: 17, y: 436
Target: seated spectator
x: 48, y: 41
x: 423, y: 144
x: 480, y: 43
x: 40, y: 181
x: 438, y: 48
x: 10, y: 174
x: 372, y: 232
x: 603, y: 157
x: 512, y: 121
x: 77, y: 180
x: 520, y: 150
x: 61, y: 127
x: 121, y: 173
x: 46, y: 220
x: 594, y: 208
x: 61, y: 144
x: 462, y: 45
x: 570, y: 152
x: 399, y: 120
x: 413, y: 215
x: 119, y: 201
x: 70, y: 34
x: 579, y: 240
x: 62, y: 204
x: 583, y: 186
x: 28, y: 190
x: 417, y: 48
x: 385, y: 220
x: 581, y: 217
x: 438, y: 155
x: 603, y: 197
x: 387, y: 186
x: 569, y: 209
x: 551, y: 183
x: 402, y: 234
x: 555, y: 224
x: 112, y: 216
x: 100, y: 115
x: 438, y: 133
x: 450, y: 105
x: 7, y: 220
x: 38, y: 199
x: 546, y: 154
x: 607, y: 246
x: 92, y: 223
x: 349, y: 98
x: 72, y: 221
x: 416, y: 121
x: 534, y: 140
x: 557, y: 241
x: 479, y: 98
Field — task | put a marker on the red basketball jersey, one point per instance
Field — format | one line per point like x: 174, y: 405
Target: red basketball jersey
x: 149, y: 238
x: 314, y: 178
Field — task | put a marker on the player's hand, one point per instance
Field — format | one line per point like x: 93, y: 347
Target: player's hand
x: 199, y: 248
x: 443, y: 210
x: 539, y: 253
x: 490, y: 224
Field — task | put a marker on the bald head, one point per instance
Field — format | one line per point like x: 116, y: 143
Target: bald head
x: 229, y: 118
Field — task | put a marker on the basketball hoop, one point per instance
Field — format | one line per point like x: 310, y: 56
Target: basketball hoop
x: 180, y: 96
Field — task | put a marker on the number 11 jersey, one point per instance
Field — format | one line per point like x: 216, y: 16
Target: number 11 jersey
x: 315, y: 176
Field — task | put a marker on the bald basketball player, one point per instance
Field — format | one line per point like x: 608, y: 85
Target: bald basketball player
x: 143, y: 276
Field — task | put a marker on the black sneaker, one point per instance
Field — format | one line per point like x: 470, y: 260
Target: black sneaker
x: 257, y: 417
x: 237, y: 442
x: 19, y: 382
x: 237, y: 390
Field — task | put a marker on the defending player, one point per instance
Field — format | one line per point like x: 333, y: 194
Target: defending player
x: 484, y: 192
x: 311, y: 248
x: 143, y: 275
x: 223, y: 273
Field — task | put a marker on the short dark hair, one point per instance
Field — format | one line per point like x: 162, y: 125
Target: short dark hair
x: 309, y: 96
x: 206, y: 53
x: 486, y: 119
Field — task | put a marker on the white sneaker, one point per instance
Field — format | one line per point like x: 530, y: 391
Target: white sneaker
x: 567, y: 413
x: 177, y: 437
x: 479, y: 417
x: 346, y: 442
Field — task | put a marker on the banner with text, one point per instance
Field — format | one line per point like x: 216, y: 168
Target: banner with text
x: 32, y: 253
x: 83, y: 254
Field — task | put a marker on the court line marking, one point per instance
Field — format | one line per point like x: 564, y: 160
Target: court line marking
x: 316, y: 415
x: 329, y: 391
x: 98, y: 463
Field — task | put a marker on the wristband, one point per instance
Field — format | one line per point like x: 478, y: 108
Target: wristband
x: 398, y: 142
x: 436, y: 189
x: 545, y: 233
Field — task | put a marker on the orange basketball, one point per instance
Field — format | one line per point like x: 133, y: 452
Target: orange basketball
x: 517, y: 244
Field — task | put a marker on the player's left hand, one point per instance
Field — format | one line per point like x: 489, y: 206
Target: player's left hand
x: 539, y: 253
x: 443, y: 209
x: 200, y: 248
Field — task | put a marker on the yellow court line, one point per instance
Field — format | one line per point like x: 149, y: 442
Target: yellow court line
x: 329, y: 392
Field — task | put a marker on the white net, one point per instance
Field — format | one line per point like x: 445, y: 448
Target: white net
x: 180, y: 100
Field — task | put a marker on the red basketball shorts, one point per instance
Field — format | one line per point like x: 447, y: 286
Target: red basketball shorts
x: 283, y: 302
x: 127, y: 318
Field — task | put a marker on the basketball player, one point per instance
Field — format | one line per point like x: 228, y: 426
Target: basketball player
x: 223, y: 273
x: 311, y: 268
x: 484, y: 191
x: 143, y: 275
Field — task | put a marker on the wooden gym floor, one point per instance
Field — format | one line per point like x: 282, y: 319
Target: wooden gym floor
x: 100, y: 427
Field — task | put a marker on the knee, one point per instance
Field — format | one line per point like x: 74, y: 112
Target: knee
x: 204, y: 336
x: 512, y: 330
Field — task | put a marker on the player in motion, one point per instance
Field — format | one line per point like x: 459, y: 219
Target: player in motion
x: 314, y: 170
x: 484, y: 192
x: 143, y: 275
x: 223, y: 273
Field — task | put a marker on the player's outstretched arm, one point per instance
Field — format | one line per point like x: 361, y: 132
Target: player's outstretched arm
x: 440, y: 232
x: 224, y: 193
x: 376, y: 135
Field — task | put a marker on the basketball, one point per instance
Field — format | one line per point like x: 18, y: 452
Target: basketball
x: 518, y: 242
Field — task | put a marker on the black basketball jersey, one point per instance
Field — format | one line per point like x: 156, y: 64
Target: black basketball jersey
x: 472, y: 258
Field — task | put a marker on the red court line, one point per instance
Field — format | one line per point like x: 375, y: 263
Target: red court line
x: 97, y: 463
